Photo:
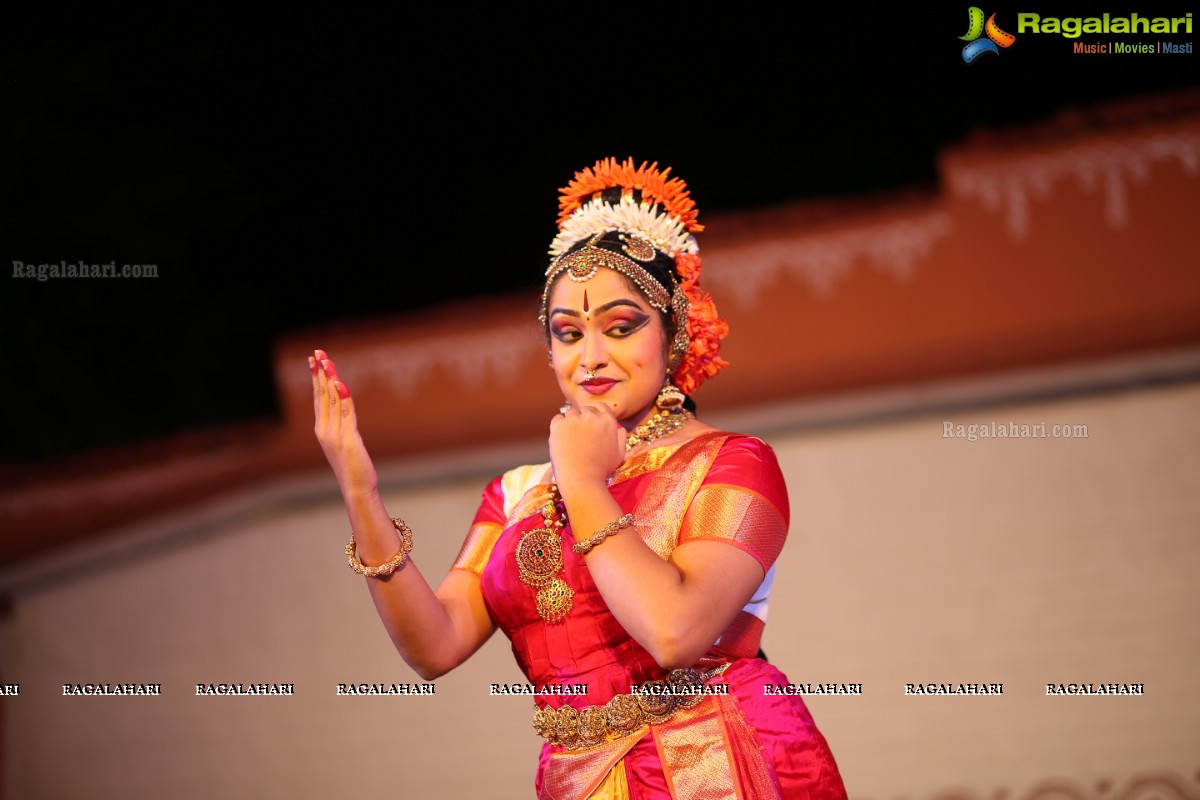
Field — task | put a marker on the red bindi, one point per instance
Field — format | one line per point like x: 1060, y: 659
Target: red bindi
x: 585, y: 301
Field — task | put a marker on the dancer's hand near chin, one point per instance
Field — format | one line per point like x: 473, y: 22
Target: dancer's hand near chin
x: 337, y: 429
x: 586, y: 445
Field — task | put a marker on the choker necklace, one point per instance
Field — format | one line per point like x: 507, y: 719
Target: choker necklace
x: 664, y: 421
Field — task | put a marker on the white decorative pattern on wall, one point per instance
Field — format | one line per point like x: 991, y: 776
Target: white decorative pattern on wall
x: 1013, y: 186
x: 822, y: 261
x: 495, y: 354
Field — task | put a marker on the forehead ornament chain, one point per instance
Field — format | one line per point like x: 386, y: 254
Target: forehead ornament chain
x: 581, y: 265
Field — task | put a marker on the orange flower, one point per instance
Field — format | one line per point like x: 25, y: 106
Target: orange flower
x: 655, y: 186
x: 705, y: 329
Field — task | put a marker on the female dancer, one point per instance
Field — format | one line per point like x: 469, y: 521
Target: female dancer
x: 639, y: 559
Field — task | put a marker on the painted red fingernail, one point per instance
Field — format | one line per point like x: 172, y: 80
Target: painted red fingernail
x: 320, y: 354
x: 330, y: 370
x: 312, y: 365
x: 342, y: 390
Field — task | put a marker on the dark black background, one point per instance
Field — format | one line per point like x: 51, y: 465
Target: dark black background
x: 312, y: 167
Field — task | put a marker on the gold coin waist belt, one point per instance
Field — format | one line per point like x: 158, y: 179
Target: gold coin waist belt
x: 655, y: 702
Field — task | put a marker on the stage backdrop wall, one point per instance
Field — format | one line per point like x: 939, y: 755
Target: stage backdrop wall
x: 913, y: 558
x: 1050, y: 277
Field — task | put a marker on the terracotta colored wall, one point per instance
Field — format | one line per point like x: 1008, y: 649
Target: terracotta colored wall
x: 1073, y: 241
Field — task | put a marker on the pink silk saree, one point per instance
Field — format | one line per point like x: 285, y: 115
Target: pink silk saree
x: 744, y: 744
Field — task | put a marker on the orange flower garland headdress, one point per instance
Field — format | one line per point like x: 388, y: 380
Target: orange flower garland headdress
x: 651, y: 209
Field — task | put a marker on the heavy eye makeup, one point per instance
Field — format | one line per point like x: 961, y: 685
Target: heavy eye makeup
x: 565, y: 332
x: 626, y: 322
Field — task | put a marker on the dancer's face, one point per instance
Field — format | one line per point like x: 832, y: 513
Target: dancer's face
x: 605, y: 325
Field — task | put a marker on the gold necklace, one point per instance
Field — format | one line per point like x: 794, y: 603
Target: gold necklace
x: 664, y: 421
x: 539, y: 553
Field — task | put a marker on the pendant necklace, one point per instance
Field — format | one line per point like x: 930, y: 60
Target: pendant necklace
x: 539, y: 553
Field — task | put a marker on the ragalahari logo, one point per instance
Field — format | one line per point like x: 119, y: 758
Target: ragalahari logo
x: 975, y: 28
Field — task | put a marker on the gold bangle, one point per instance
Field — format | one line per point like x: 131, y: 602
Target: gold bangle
x: 585, y: 547
x: 383, y: 570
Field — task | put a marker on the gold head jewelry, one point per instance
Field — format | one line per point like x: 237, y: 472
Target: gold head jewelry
x: 581, y: 265
x: 651, y: 213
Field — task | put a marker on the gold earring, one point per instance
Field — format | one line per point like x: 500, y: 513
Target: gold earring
x: 670, y: 398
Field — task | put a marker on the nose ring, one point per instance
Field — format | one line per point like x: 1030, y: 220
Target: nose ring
x: 590, y: 375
